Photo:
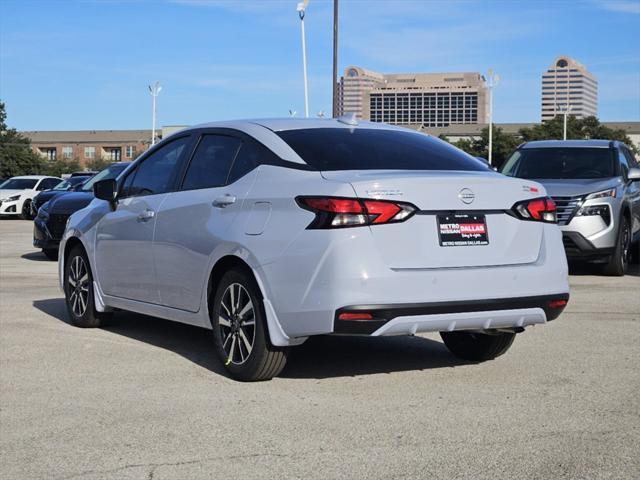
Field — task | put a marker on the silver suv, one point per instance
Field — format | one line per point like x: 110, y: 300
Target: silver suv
x: 596, y: 187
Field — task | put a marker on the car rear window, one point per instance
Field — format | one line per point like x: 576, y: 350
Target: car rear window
x: 376, y: 149
x: 561, y: 163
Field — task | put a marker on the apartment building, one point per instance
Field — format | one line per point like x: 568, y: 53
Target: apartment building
x: 567, y: 86
x: 432, y: 99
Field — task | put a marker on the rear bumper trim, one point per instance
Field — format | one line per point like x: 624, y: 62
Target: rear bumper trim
x: 385, y: 313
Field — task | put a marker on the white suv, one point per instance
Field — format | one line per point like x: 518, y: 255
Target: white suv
x: 270, y: 231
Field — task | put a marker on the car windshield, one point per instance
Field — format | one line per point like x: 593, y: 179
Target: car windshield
x: 373, y: 149
x: 111, y: 171
x: 561, y: 163
x: 19, y: 184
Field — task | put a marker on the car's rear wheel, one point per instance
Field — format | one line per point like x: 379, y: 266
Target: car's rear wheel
x: 78, y: 289
x: 51, y: 253
x: 240, y: 329
x: 617, y: 264
x: 477, y: 347
x: 25, y: 214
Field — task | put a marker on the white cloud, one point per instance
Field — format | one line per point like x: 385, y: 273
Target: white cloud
x: 621, y: 6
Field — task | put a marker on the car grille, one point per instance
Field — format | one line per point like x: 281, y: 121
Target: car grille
x: 56, y: 225
x: 566, y: 208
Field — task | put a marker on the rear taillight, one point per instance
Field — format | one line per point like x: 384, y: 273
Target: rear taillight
x: 538, y: 210
x: 339, y: 212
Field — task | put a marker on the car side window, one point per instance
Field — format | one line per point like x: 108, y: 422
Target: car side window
x: 46, y: 184
x: 156, y: 174
x: 624, y: 164
x: 633, y: 163
x: 248, y: 158
x: 211, y: 162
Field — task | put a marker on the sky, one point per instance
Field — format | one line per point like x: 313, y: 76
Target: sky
x: 86, y: 65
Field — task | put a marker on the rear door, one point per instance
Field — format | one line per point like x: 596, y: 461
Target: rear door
x: 193, y: 221
x: 124, y: 257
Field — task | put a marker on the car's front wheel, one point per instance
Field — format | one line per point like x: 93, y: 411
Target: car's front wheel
x: 25, y: 214
x: 617, y: 264
x: 477, y: 347
x: 240, y: 329
x: 78, y: 290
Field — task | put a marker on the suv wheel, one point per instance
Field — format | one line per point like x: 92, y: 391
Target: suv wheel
x: 78, y: 291
x: 240, y: 330
x: 477, y: 347
x: 617, y: 264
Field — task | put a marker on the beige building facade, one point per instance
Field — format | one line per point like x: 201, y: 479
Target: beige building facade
x: 567, y: 86
x: 432, y: 99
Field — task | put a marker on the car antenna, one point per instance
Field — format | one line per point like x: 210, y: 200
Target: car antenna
x: 348, y: 119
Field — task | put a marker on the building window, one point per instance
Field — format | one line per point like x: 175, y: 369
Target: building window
x: 51, y: 154
x: 90, y: 152
x: 115, y: 154
x: 130, y: 151
x: 67, y: 152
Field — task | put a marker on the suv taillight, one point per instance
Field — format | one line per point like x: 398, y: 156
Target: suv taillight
x: 538, y: 210
x: 340, y: 212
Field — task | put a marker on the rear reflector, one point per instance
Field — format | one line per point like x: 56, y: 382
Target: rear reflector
x: 557, y: 303
x: 355, y: 316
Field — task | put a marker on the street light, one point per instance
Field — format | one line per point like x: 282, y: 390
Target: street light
x: 301, y: 11
x: 155, y: 91
x: 492, y: 81
x: 565, y: 109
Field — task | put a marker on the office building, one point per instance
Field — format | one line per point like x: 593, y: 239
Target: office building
x: 568, y: 86
x: 432, y: 99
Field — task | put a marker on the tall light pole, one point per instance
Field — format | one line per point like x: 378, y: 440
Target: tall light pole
x: 155, y: 91
x: 566, y: 109
x: 335, y: 59
x: 492, y: 81
x: 301, y: 11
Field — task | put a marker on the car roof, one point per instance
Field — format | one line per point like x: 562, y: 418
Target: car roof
x: 263, y: 130
x: 35, y: 177
x: 292, y: 123
x: 570, y: 144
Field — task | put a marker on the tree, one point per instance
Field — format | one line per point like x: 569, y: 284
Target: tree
x: 98, y: 164
x: 577, y: 129
x: 503, y: 145
x: 16, y: 156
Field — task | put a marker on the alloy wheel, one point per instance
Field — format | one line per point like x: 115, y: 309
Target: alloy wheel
x: 78, y: 286
x: 626, y: 244
x: 237, y: 323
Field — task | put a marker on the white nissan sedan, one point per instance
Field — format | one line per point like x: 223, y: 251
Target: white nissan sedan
x: 271, y: 231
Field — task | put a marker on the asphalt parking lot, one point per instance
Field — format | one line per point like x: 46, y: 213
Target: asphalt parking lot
x: 145, y: 399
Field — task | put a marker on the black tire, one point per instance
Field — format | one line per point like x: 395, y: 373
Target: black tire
x: 477, y: 347
x: 26, y: 211
x: 262, y: 361
x: 619, y: 260
x: 76, y: 267
x: 51, y: 253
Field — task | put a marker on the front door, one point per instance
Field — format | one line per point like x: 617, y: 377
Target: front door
x: 124, y: 237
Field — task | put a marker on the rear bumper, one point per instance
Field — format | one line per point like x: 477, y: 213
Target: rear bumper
x: 449, y: 316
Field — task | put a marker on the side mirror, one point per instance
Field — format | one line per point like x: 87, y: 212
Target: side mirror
x: 634, y: 174
x: 106, y: 190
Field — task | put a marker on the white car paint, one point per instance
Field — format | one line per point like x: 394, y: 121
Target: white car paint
x: 161, y: 265
x: 12, y: 201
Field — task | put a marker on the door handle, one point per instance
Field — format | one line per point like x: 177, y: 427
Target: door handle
x: 224, y: 201
x: 146, y: 215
